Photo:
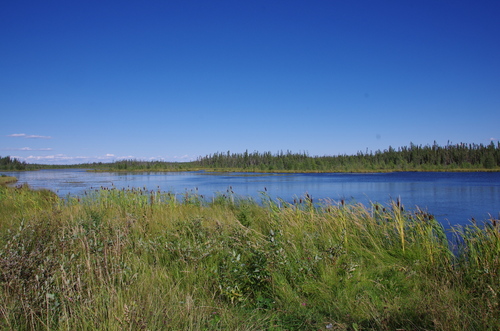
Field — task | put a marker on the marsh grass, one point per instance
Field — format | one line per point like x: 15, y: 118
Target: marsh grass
x: 148, y: 260
x: 7, y: 179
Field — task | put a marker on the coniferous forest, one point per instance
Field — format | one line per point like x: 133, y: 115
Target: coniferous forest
x: 12, y: 164
x: 452, y: 157
x: 414, y: 157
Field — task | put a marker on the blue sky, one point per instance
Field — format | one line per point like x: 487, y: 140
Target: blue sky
x: 85, y: 81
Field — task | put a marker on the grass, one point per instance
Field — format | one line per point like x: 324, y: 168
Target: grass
x: 136, y: 259
x: 7, y: 179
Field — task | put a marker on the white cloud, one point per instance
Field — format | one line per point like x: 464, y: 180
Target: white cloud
x: 60, y: 157
x: 28, y: 136
x: 27, y: 149
x: 65, y: 159
x: 493, y: 139
x: 53, y: 159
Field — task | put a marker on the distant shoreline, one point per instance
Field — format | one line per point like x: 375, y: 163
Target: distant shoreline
x: 231, y: 170
x: 413, y: 158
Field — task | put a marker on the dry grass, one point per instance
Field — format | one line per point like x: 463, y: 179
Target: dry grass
x: 150, y: 260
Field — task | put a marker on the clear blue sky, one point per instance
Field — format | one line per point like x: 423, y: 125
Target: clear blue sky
x: 104, y: 80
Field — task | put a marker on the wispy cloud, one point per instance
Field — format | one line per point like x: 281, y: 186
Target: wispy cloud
x: 108, y: 157
x: 28, y: 136
x: 54, y: 159
x: 27, y: 149
x: 65, y: 159
x: 493, y: 139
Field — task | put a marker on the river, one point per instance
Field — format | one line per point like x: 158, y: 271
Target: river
x: 453, y: 198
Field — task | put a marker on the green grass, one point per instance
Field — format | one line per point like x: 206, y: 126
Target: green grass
x: 132, y: 260
x: 7, y: 180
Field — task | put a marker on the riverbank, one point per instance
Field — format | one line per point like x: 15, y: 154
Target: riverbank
x: 257, y: 170
x: 136, y: 259
x: 7, y: 180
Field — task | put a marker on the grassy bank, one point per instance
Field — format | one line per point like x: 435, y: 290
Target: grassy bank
x: 135, y: 260
x: 7, y: 180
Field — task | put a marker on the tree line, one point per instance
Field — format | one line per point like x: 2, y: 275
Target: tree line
x: 413, y: 157
x: 407, y: 158
x: 12, y: 164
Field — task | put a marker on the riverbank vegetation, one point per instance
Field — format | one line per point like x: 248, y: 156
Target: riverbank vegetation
x: 459, y: 157
x: 136, y: 259
x: 452, y: 157
x: 412, y: 158
x: 7, y: 179
x: 8, y: 163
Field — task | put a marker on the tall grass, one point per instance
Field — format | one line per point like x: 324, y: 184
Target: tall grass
x: 7, y: 179
x: 137, y: 259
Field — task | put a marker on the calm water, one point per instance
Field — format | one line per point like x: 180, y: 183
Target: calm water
x: 454, y: 198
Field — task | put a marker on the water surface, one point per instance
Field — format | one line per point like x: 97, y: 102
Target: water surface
x: 454, y: 198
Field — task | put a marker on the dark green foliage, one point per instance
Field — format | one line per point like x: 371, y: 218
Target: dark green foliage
x: 414, y: 157
x: 8, y: 163
x: 408, y: 158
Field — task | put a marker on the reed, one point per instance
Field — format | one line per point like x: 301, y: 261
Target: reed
x: 137, y: 259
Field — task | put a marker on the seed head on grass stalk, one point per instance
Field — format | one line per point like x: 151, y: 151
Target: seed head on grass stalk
x: 114, y: 261
x: 399, y: 220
